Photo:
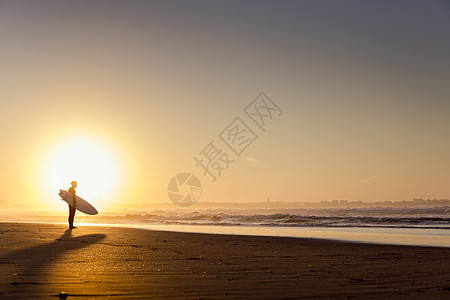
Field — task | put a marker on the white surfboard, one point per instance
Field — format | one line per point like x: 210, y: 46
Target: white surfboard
x: 82, y: 205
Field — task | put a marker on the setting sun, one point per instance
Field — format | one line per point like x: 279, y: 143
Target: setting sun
x: 86, y: 161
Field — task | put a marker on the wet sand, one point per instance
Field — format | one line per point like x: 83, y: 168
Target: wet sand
x: 41, y: 260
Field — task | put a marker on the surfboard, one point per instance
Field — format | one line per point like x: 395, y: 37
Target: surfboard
x: 82, y: 205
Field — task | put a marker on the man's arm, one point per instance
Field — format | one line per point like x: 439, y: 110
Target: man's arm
x: 74, y: 197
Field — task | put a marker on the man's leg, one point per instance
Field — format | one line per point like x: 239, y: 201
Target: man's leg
x: 71, y: 215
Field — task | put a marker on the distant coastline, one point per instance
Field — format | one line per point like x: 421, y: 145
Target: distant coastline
x: 145, y: 206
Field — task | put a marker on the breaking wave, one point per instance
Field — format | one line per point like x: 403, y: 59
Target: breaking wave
x: 430, y: 217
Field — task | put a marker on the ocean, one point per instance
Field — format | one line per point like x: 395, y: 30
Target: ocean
x: 422, y: 217
x: 424, y: 226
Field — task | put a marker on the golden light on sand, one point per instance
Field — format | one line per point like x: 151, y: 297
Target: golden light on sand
x: 89, y: 162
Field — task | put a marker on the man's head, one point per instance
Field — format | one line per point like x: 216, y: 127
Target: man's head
x: 74, y: 184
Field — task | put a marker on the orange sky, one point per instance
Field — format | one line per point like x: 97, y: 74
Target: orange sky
x: 364, y: 89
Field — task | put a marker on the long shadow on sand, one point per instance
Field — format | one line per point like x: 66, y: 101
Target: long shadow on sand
x: 25, y: 272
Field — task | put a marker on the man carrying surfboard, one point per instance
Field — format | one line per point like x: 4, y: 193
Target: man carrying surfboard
x: 72, y: 209
x: 76, y: 203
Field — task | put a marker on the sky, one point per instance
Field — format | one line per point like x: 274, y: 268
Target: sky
x: 123, y: 95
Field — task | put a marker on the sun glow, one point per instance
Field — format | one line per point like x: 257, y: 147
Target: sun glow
x: 88, y: 162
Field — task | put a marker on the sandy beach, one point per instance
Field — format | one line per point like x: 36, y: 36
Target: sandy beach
x: 41, y: 261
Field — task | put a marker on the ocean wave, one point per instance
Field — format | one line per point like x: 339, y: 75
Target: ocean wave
x: 432, y: 217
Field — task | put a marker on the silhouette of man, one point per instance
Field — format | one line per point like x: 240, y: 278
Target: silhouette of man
x: 72, y: 209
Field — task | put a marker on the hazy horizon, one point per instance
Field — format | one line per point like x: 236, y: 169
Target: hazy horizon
x: 121, y: 96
